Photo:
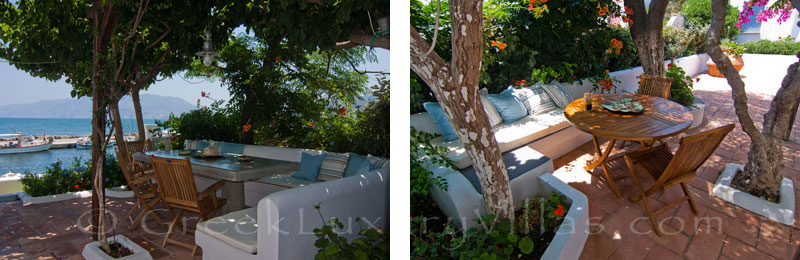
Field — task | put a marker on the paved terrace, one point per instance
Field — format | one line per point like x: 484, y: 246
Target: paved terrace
x: 626, y: 232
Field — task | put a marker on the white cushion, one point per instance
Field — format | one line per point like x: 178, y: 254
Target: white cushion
x: 494, y: 117
x: 534, y: 98
x: 510, y: 136
x: 424, y: 122
x: 237, y: 229
x: 560, y: 97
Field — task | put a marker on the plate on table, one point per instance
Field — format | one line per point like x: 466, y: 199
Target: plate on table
x: 185, y: 152
x: 626, y: 106
x: 201, y: 156
x: 244, y: 158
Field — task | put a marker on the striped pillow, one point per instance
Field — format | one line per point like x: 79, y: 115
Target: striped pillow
x: 333, y: 166
x: 560, y: 97
x: 377, y: 162
x: 535, y: 99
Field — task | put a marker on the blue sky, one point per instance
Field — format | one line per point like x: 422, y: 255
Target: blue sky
x: 20, y: 88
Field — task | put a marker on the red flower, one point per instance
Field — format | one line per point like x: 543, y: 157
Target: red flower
x: 76, y: 186
x: 697, y: 80
x: 530, y: 7
x: 559, y: 211
x: 278, y: 59
x: 311, y: 124
x: 342, y: 111
x: 198, y: 101
x: 246, y: 128
x: 670, y: 65
x: 202, y: 93
x: 83, y: 184
x: 779, y: 37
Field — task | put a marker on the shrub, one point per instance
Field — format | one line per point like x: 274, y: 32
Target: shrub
x: 527, y: 237
x: 785, y: 46
x: 421, y: 178
x: 57, y: 179
x: 372, y: 243
x: 732, y: 48
x: 681, y: 89
x: 679, y: 42
x: 698, y: 12
x: 213, y: 123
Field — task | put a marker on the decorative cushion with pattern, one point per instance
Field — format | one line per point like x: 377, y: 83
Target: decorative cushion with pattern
x: 377, y: 162
x: 333, y: 166
x: 534, y: 99
x: 560, y: 96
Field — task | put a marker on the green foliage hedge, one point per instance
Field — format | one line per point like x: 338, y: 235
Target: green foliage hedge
x: 698, y: 13
x: 783, y: 47
x: 57, y: 179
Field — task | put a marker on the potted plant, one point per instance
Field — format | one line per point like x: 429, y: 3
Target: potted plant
x: 681, y: 92
x: 734, y: 52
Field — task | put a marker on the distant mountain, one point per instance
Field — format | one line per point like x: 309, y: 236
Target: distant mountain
x: 153, y: 106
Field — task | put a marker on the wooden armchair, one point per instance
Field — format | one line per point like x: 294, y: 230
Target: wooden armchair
x: 139, y: 146
x: 140, y: 181
x: 669, y: 170
x: 176, y: 182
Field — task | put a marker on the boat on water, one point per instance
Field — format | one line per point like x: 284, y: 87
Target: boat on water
x: 86, y: 143
x: 23, y: 144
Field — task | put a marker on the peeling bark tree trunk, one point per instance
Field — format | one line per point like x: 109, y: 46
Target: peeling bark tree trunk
x: 646, y: 32
x: 118, y: 131
x: 137, y: 108
x: 762, y: 173
x: 455, y: 85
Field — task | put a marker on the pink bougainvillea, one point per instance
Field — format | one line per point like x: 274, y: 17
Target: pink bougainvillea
x: 780, y: 10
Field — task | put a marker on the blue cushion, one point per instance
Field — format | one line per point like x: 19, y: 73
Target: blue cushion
x: 357, y: 164
x: 517, y: 162
x: 201, y: 144
x: 436, y: 112
x: 510, y: 108
x: 227, y: 147
x: 309, y: 166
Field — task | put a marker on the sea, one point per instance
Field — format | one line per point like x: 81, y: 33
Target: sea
x: 37, y: 162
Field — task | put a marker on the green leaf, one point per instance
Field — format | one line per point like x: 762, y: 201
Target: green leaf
x: 526, y: 245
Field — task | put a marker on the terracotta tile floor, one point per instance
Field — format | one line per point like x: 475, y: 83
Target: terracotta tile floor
x: 58, y: 230
x: 621, y: 229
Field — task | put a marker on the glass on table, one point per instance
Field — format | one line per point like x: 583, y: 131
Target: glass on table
x: 587, y: 98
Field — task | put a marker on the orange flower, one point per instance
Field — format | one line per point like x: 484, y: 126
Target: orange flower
x: 606, y: 71
x: 342, y: 111
x: 530, y: 7
x: 499, y: 44
x: 601, y: 12
x: 278, y: 59
x: 246, y: 128
x: 202, y: 93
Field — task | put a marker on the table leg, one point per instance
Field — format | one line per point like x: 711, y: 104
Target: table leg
x: 601, y: 161
x: 234, y: 193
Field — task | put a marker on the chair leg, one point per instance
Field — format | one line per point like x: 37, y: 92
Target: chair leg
x: 133, y: 210
x: 645, y: 202
x: 175, y: 220
x: 194, y: 250
x: 689, y: 195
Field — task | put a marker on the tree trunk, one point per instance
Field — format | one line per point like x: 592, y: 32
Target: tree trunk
x: 119, y: 134
x: 455, y: 86
x: 137, y: 108
x: 646, y: 32
x: 761, y: 175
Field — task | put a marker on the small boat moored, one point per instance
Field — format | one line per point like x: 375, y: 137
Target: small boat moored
x: 24, y: 144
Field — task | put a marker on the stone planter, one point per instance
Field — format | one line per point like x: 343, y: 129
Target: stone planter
x: 92, y: 250
x: 737, y: 62
x: 115, y: 192
x: 697, y: 109
x: 574, y: 230
x: 782, y: 212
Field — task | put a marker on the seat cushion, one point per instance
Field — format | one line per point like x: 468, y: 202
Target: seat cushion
x: 237, y: 229
x: 517, y: 162
x: 511, y: 136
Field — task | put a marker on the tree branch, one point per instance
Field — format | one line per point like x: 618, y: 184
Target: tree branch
x: 160, y: 37
x: 731, y: 74
x: 358, y: 38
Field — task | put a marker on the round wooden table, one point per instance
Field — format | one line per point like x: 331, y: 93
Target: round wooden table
x: 660, y: 119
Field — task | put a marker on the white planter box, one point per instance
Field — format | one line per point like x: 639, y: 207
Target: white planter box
x: 697, y: 109
x: 92, y: 250
x: 574, y: 230
x: 782, y: 212
x: 116, y: 192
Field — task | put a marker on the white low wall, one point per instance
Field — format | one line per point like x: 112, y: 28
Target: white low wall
x: 628, y: 79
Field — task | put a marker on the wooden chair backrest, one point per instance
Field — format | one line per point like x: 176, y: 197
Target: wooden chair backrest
x: 694, y: 150
x: 139, y: 146
x: 176, y: 182
x: 654, y: 86
x: 127, y: 168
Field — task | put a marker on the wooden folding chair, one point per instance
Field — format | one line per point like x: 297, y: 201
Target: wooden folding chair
x: 140, y: 181
x: 139, y: 146
x: 176, y: 182
x: 652, y: 86
x: 669, y: 170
